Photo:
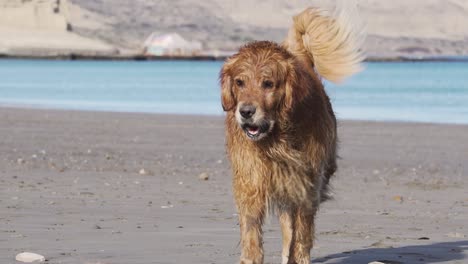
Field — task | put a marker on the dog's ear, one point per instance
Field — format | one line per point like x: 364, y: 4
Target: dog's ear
x: 228, y: 99
x: 297, y: 83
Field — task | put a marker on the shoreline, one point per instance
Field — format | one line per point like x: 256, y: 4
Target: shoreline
x: 84, y: 57
x: 221, y: 115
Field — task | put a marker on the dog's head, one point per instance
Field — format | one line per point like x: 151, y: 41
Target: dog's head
x: 260, y: 83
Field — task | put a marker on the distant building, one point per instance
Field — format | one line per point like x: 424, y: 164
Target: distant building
x: 170, y: 45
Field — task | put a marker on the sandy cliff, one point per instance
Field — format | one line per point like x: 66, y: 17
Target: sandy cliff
x: 41, y: 27
x: 398, y: 27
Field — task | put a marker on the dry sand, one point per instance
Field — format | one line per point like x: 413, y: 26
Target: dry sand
x: 71, y: 190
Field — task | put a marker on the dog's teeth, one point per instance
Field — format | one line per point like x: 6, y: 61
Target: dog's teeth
x: 253, y: 131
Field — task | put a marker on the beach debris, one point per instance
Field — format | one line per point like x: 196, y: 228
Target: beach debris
x: 376, y: 262
x: 181, y: 182
x: 456, y: 235
x: 20, y: 161
x: 423, y: 238
x: 97, y: 226
x: 28, y: 257
x: 398, y: 198
x: 203, y: 176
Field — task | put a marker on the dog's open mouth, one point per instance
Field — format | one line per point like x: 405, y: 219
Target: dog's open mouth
x: 252, y: 130
x: 256, y: 132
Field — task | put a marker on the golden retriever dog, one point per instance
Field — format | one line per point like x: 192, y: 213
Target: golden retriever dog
x: 281, y: 130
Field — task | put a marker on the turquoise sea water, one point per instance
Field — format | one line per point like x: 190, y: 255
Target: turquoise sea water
x: 423, y: 92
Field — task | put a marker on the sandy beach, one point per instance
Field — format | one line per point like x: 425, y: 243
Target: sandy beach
x: 105, y: 188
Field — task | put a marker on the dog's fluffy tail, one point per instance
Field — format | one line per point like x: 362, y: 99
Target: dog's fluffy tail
x: 330, y: 42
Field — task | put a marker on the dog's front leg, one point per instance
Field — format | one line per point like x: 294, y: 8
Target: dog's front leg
x: 303, y: 236
x: 286, y: 218
x: 251, y: 216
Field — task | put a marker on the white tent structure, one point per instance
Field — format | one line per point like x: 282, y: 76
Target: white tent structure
x: 170, y: 45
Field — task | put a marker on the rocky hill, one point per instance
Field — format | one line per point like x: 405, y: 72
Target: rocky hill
x: 394, y: 28
x: 397, y: 27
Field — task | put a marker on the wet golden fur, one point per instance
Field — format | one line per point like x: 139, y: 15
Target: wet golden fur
x: 288, y: 169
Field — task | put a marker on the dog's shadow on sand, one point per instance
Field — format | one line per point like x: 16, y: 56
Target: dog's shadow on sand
x: 432, y: 253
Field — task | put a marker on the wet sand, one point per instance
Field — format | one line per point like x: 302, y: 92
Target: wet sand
x: 88, y: 187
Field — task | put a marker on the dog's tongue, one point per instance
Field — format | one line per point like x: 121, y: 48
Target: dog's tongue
x: 253, y: 130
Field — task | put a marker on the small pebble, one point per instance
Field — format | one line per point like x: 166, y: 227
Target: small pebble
x: 203, y: 176
x: 143, y: 172
x: 28, y: 257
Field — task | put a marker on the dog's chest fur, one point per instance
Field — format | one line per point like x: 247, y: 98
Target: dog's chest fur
x: 282, y: 173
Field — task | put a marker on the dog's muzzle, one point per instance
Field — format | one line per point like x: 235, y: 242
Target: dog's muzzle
x: 253, y: 122
x: 256, y: 131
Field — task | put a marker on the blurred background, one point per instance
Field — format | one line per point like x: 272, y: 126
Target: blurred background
x: 47, y: 27
x: 189, y: 39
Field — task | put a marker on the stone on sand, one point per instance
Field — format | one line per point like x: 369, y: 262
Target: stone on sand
x: 28, y: 257
x: 203, y: 176
x: 143, y: 172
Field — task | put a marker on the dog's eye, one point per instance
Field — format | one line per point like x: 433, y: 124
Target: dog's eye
x: 240, y: 83
x: 267, y: 84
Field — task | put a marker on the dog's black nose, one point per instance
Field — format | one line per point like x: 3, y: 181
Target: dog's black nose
x: 247, y: 111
